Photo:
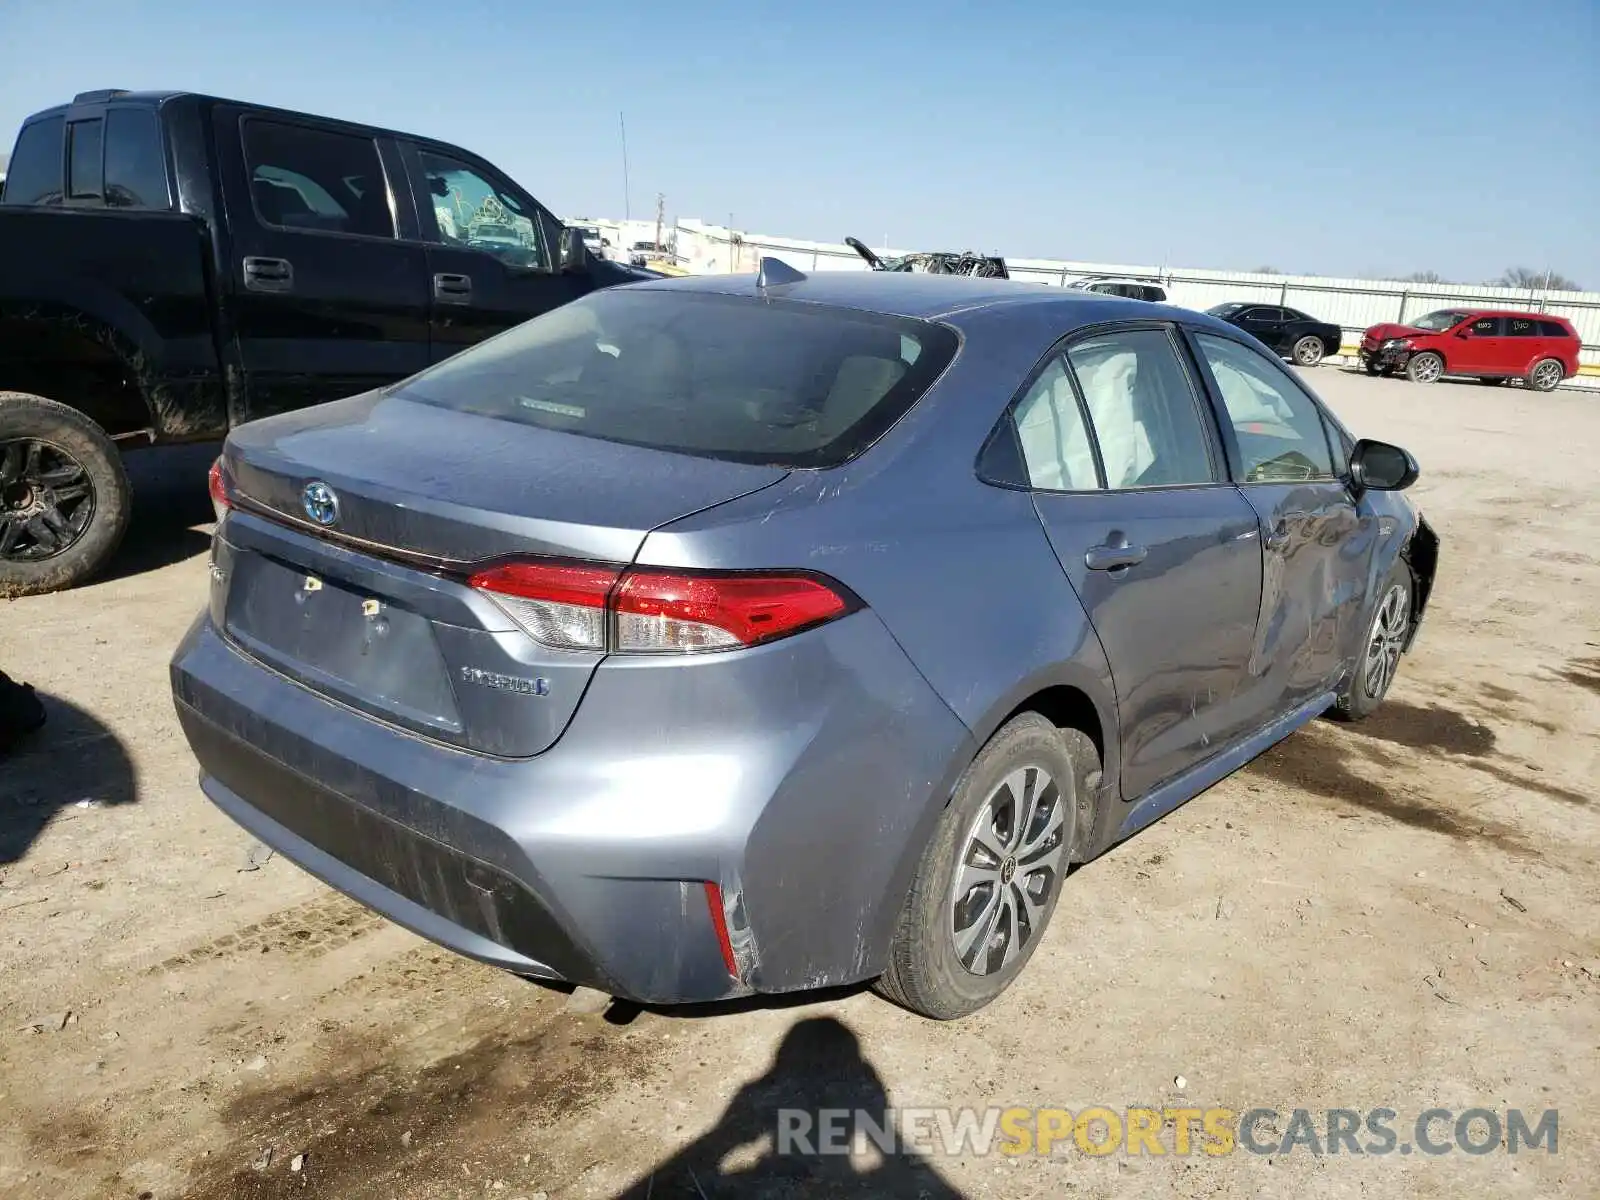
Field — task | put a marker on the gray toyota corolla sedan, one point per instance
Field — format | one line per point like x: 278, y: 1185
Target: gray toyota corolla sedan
x: 749, y: 634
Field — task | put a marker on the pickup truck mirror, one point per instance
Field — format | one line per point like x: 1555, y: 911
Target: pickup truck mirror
x: 574, y: 255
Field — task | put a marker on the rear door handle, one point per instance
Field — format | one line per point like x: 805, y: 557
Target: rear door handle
x: 268, y: 274
x: 452, y: 289
x: 1111, y: 558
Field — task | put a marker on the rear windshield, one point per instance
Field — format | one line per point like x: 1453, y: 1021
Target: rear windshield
x: 729, y: 377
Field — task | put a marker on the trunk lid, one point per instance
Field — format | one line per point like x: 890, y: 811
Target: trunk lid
x: 373, y: 610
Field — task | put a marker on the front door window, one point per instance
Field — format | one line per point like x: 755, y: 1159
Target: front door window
x: 472, y: 212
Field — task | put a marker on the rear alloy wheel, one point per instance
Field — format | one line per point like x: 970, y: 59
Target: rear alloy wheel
x: 1546, y: 375
x: 64, y: 497
x: 991, y: 875
x: 1425, y: 367
x: 1308, y: 351
x: 1386, y: 642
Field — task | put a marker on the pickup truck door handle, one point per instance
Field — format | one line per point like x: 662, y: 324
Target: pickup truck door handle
x: 1111, y: 558
x: 452, y: 289
x: 268, y: 274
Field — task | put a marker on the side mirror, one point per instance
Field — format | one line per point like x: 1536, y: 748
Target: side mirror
x: 574, y: 255
x: 1464, y: 333
x: 1380, y: 467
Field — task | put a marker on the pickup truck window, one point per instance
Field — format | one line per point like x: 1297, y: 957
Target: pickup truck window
x: 85, y: 146
x: 35, y: 171
x: 471, y: 211
x: 136, y: 169
x: 311, y: 179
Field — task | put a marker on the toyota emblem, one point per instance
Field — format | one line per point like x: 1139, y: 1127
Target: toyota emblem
x: 320, y: 502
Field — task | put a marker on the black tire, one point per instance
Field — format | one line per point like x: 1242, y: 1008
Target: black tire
x: 1308, y: 351
x: 925, y: 972
x: 1546, y: 375
x: 1426, y: 367
x: 64, y: 496
x: 1365, y: 690
x: 1374, y: 368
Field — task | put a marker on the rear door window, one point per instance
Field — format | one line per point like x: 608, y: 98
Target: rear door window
x: 85, y: 159
x: 729, y: 377
x: 136, y: 168
x: 1521, y: 327
x: 1147, y: 425
x: 34, y: 174
x: 1052, y: 435
x: 315, y: 179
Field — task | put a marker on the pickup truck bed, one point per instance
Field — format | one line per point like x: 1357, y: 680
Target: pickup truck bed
x: 176, y: 265
x: 116, y: 311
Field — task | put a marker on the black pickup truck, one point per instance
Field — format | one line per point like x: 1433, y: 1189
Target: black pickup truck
x: 172, y: 265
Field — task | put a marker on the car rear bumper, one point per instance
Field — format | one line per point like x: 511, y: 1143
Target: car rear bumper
x: 801, y: 778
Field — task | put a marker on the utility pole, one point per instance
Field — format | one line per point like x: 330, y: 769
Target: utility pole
x: 661, y: 210
x: 624, y: 127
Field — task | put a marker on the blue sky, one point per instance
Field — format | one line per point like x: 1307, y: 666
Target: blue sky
x: 1344, y: 139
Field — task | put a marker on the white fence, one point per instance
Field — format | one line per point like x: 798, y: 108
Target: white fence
x: 1353, y: 304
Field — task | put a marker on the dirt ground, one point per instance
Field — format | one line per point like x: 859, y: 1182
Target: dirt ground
x: 1401, y: 914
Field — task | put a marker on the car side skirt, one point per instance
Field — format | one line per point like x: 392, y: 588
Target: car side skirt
x: 1162, y: 800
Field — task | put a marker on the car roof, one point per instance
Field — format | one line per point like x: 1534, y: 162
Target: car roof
x: 918, y: 295
x: 154, y: 99
x: 1476, y: 311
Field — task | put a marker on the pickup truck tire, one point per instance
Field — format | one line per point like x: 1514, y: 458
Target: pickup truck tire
x: 64, y: 496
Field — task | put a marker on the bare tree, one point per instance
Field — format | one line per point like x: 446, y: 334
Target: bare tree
x: 1267, y: 271
x: 1424, y: 277
x: 1528, y: 277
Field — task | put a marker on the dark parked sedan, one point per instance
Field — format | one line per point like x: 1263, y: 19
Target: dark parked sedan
x: 1286, y: 331
x: 728, y: 635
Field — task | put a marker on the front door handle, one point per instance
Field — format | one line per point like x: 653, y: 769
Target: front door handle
x: 452, y: 289
x: 268, y: 274
x: 1112, y: 558
x: 1278, y: 539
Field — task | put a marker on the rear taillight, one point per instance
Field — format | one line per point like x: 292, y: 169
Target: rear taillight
x: 559, y: 604
x: 217, y: 484
x: 662, y: 613
x: 645, y: 611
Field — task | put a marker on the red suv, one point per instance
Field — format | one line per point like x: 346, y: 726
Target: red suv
x: 1495, y: 346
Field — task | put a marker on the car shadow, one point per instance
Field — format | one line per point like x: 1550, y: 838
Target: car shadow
x: 750, y: 1153
x: 172, y: 514
x: 72, y: 761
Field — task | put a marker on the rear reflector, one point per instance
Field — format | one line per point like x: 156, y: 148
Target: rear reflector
x: 719, y: 922
x: 217, y: 484
x: 584, y: 607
